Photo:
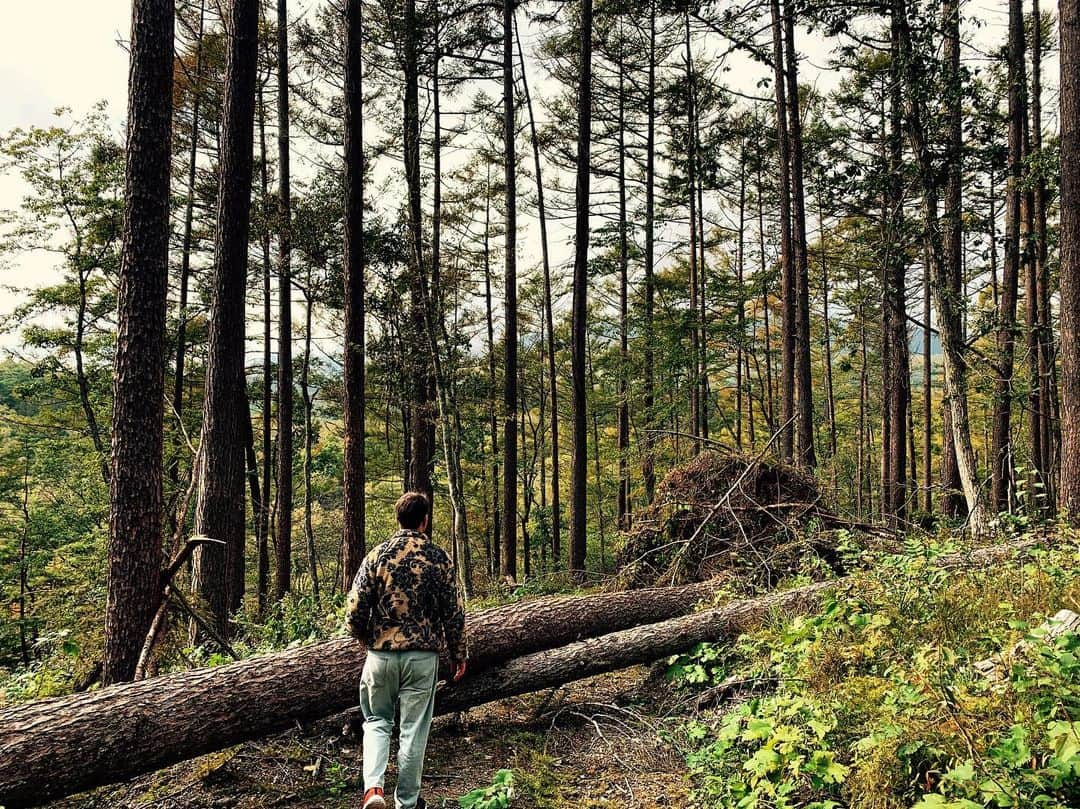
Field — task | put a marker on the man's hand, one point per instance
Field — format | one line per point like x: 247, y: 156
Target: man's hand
x: 459, y: 671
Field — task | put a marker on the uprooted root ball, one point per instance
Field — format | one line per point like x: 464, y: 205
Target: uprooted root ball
x: 726, y: 512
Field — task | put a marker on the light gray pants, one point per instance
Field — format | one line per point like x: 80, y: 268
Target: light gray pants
x: 403, y: 681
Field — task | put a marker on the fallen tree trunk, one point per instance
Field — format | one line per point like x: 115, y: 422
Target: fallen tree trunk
x: 55, y: 747
x: 618, y: 650
x: 644, y: 644
x: 60, y: 746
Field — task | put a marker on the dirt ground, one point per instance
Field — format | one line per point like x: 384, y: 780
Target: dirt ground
x: 603, y: 742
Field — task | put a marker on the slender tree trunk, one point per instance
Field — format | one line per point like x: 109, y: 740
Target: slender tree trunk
x: 1040, y: 336
x: 944, y: 256
x: 623, y: 520
x: 741, y: 304
x: 928, y: 398
x: 219, y: 510
x: 262, y: 584
x: 830, y: 393
x: 895, y: 371
x: 648, y: 462
x: 136, y: 500
x: 770, y: 413
x: 580, y: 296
x: 787, y: 263
x: 187, y: 240
x: 308, y: 402
x: 283, y: 536
x: 353, y: 537
x: 691, y: 183
x: 510, y: 330
x: 25, y: 640
x: 804, y: 386
x: 1069, y: 11
x: 81, y: 379
x: 553, y: 376
x: 421, y: 412
x: 600, y: 521
x: 493, y: 420
x: 954, y: 503
x: 1002, y: 451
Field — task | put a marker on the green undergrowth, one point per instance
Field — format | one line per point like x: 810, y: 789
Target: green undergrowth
x: 874, y: 702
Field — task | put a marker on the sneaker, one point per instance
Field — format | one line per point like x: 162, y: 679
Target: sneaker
x: 373, y: 799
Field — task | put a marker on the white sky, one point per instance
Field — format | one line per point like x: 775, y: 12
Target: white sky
x: 55, y: 53
x: 69, y: 53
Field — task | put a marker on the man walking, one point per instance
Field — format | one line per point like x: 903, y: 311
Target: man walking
x: 404, y: 605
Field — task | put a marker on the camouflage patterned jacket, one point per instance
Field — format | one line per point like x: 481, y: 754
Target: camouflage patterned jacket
x: 405, y: 598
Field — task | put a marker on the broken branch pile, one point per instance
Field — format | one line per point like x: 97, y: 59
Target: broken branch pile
x: 725, y: 513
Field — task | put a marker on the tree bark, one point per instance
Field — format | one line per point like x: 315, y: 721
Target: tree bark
x: 283, y: 534
x: 219, y: 510
x: 648, y: 462
x: 262, y: 575
x: 136, y: 500
x: 1002, y: 460
x: 804, y: 385
x: 187, y: 240
x: 944, y: 257
x: 579, y: 495
x: 1069, y: 487
x: 549, y: 320
x: 623, y: 417
x: 896, y: 375
x: 352, y: 542
x: 495, y: 562
x: 421, y: 407
x: 787, y: 264
x: 510, y: 330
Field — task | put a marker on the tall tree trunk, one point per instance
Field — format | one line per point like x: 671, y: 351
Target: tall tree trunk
x: 1069, y: 12
x: 307, y: 399
x: 580, y: 296
x: 787, y: 264
x: 283, y: 536
x: 262, y: 583
x: 219, y: 510
x: 187, y: 240
x: 648, y: 461
x: 623, y: 510
x: 510, y: 330
x: 493, y: 420
x: 691, y: 183
x: 1002, y: 460
x: 830, y: 394
x: 895, y: 371
x: 768, y: 398
x: 945, y: 255
x: 353, y: 537
x: 1042, y: 335
x: 740, y: 258
x: 927, y: 398
x: 136, y: 500
x: 553, y: 377
x: 804, y: 386
x: 421, y: 411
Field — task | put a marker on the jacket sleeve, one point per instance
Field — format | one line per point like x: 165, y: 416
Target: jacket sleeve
x: 358, y: 603
x: 453, y: 617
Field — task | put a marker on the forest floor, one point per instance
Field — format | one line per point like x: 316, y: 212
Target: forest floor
x: 602, y: 742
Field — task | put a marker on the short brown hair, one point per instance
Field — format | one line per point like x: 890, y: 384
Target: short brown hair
x: 411, y: 509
